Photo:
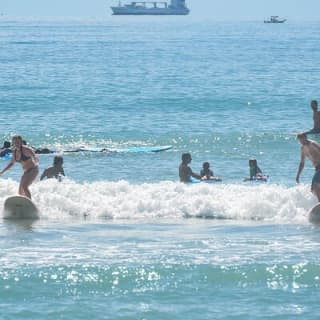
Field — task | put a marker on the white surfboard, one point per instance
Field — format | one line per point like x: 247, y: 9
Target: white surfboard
x: 314, y: 214
x: 18, y: 207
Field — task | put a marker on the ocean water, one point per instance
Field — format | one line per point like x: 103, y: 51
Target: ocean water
x: 120, y: 237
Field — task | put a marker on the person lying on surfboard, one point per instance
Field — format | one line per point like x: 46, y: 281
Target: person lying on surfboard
x: 185, y: 172
x: 29, y: 162
x: 56, y: 171
x: 310, y: 149
x: 206, y: 173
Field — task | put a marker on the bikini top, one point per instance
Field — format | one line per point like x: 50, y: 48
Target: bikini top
x: 23, y: 157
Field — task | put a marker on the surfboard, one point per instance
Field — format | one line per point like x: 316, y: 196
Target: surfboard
x: 144, y: 149
x: 193, y: 180
x: 314, y: 214
x: 19, y: 207
x: 263, y: 178
x: 129, y: 149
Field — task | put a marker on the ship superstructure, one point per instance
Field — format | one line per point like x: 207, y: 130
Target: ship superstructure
x: 176, y: 7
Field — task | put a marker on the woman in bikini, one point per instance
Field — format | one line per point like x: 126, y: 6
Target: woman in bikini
x: 29, y: 162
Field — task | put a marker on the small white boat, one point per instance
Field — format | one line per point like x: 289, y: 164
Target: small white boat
x: 275, y: 19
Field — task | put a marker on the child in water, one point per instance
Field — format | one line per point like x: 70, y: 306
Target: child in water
x: 255, y: 172
x: 206, y: 173
x: 56, y: 171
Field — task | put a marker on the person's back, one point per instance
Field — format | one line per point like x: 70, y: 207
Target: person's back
x: 56, y: 171
x: 316, y: 115
x: 254, y: 169
x: 255, y: 172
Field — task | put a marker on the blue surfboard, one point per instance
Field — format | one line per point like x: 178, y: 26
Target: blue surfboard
x: 129, y: 149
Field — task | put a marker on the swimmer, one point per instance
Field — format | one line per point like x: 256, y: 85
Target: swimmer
x: 207, y: 174
x: 56, y: 171
x: 185, y: 172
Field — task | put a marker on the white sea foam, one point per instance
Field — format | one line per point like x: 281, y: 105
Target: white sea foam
x: 166, y: 200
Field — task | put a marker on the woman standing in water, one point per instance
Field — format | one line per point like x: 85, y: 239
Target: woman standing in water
x: 29, y: 162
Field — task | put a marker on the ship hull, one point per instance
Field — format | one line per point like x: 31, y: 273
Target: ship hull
x: 149, y: 11
x: 281, y: 21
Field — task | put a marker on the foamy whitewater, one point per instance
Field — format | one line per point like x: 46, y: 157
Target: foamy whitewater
x: 167, y: 200
x: 120, y: 237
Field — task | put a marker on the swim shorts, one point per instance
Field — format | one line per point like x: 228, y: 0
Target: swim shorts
x: 316, y: 177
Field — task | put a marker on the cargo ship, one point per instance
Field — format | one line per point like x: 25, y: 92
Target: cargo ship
x: 176, y: 7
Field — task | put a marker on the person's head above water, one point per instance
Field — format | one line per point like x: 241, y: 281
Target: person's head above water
x: 186, y: 158
x: 6, y: 144
x: 314, y: 105
x: 206, y: 165
x: 58, y: 160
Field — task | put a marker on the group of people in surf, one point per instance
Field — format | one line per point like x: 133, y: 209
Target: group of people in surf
x: 27, y: 157
x: 29, y: 161
x: 310, y: 149
x: 206, y: 174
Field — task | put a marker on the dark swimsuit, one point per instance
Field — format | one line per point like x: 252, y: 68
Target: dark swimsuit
x: 316, y: 177
x: 24, y: 158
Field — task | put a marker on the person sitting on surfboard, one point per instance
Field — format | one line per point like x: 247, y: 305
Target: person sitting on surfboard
x: 310, y: 149
x: 206, y: 173
x: 29, y: 162
x: 6, y: 149
x: 56, y: 171
x: 255, y: 172
x: 185, y: 172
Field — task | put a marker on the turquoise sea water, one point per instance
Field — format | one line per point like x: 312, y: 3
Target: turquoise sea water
x: 120, y: 237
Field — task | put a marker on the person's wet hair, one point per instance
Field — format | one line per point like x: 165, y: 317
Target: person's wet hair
x: 17, y: 137
x: 301, y: 136
x: 6, y: 144
x: 57, y: 160
x: 314, y: 102
x: 185, y: 157
x: 206, y: 165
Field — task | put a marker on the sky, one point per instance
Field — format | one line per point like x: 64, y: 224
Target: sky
x: 208, y: 9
